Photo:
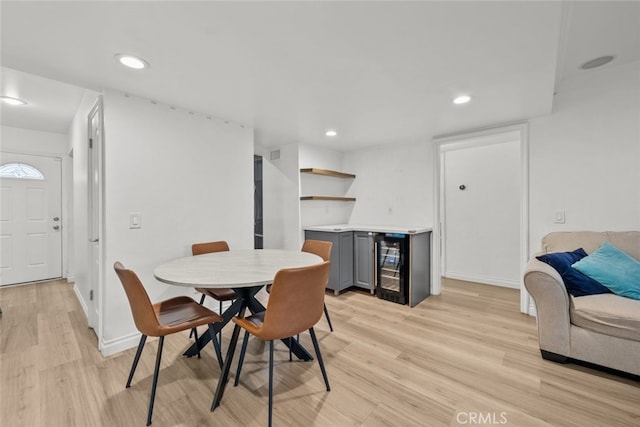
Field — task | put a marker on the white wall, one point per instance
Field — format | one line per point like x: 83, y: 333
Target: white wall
x: 585, y: 157
x: 18, y: 140
x: 393, y: 185
x: 190, y: 178
x: 281, y: 202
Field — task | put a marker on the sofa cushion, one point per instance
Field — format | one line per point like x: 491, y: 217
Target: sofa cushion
x: 559, y: 241
x: 607, y: 314
x: 577, y: 284
x: 613, y: 268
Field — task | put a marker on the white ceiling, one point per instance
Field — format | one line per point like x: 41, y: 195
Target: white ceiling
x: 377, y: 72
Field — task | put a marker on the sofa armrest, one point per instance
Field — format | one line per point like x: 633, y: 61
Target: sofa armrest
x: 547, y: 289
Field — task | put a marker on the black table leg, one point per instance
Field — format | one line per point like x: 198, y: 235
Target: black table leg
x: 301, y: 353
x: 246, y: 300
x: 224, y: 375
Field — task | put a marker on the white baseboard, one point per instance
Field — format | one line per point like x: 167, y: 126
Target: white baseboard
x: 71, y: 279
x: 81, y: 300
x: 484, y: 280
x: 107, y: 348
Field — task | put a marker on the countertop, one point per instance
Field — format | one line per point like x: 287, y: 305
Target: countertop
x: 337, y: 228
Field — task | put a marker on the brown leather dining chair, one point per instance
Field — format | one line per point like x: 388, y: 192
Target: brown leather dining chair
x: 323, y: 250
x: 222, y: 294
x: 295, y: 305
x: 160, y: 319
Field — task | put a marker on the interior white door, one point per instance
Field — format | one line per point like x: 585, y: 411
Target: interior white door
x: 482, y: 213
x: 30, y: 218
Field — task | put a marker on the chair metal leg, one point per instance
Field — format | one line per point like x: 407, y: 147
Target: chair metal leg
x: 143, y: 339
x: 270, y: 382
x: 195, y: 333
x: 220, y: 331
x: 319, y: 356
x: 290, y: 344
x: 216, y: 344
x: 156, y: 372
x: 326, y: 315
x: 243, y: 350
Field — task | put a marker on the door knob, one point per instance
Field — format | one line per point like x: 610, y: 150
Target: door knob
x: 55, y: 218
x: 56, y: 227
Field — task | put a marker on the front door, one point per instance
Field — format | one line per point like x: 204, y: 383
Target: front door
x: 30, y: 218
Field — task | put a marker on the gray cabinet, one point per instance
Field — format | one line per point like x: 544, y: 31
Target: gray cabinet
x: 341, y: 272
x: 354, y: 261
x: 420, y: 262
x: 363, y: 269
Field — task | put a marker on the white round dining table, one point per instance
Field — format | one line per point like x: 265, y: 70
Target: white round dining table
x: 245, y: 271
x: 232, y: 269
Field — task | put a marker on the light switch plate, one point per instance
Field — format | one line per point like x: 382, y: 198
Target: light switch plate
x: 135, y: 220
x: 559, y: 217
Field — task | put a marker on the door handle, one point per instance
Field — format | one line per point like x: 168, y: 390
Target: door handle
x: 94, y: 240
x: 55, y: 218
x: 56, y: 227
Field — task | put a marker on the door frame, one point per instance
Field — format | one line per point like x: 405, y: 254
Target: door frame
x: 258, y: 204
x: 95, y: 310
x: 440, y: 145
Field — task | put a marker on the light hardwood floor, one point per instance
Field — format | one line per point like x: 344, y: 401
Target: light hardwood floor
x: 466, y: 357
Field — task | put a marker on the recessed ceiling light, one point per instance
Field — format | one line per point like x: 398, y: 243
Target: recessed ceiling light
x: 12, y: 101
x: 462, y: 99
x: 131, y: 61
x: 331, y: 133
x: 597, y: 62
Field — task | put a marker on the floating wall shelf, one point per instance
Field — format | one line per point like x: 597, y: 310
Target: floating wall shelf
x: 327, y: 172
x: 340, y: 199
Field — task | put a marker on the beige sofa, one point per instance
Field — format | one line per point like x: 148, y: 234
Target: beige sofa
x: 601, y: 329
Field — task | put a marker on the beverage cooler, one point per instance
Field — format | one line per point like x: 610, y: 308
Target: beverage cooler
x: 392, y: 265
x: 402, y: 267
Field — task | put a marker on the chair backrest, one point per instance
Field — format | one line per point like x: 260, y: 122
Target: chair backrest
x: 296, y: 301
x: 318, y: 247
x: 207, y: 248
x: 144, y: 315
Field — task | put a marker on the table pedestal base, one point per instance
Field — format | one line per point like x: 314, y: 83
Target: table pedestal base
x: 246, y: 300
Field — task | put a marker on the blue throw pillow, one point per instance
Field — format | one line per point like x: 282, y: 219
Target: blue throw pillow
x: 613, y: 268
x: 577, y: 284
